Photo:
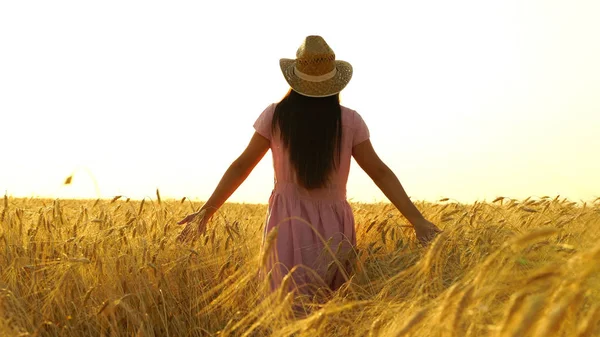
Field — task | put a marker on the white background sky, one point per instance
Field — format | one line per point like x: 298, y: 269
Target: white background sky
x: 464, y: 99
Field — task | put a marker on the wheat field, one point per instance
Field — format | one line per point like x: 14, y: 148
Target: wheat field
x: 114, y: 268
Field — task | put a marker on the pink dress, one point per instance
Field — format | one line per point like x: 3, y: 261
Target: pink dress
x: 313, y: 225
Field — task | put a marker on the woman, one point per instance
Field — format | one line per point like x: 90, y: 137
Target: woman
x: 312, y: 138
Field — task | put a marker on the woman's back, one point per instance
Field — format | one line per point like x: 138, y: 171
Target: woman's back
x: 311, y: 223
x: 354, y: 131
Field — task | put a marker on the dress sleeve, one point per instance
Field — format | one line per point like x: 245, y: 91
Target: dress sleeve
x: 263, y: 123
x: 361, y: 131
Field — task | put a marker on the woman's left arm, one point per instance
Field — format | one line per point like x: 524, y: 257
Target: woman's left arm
x: 235, y: 175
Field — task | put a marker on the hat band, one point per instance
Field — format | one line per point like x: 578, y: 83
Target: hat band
x: 313, y: 78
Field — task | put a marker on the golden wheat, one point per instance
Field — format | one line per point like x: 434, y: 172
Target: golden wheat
x: 114, y: 268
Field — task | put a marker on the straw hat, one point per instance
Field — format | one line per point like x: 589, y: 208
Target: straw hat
x: 315, y: 72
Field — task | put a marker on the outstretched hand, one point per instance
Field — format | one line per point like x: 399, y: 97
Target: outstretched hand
x: 195, y: 226
x: 426, y: 231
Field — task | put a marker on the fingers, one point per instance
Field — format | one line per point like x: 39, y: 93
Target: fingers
x: 187, y: 219
x: 426, y: 238
x: 425, y: 241
x: 183, y: 235
x: 188, y: 233
x: 435, y: 228
x: 192, y: 217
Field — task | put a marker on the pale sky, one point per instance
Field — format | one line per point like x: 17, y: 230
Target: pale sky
x: 464, y: 99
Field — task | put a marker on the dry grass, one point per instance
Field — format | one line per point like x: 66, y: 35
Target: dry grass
x: 113, y: 268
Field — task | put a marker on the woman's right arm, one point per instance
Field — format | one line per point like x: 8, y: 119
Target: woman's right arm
x: 388, y: 183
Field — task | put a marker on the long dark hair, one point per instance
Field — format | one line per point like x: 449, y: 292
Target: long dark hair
x: 311, y: 131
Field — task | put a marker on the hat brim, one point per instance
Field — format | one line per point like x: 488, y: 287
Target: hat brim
x: 329, y: 87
